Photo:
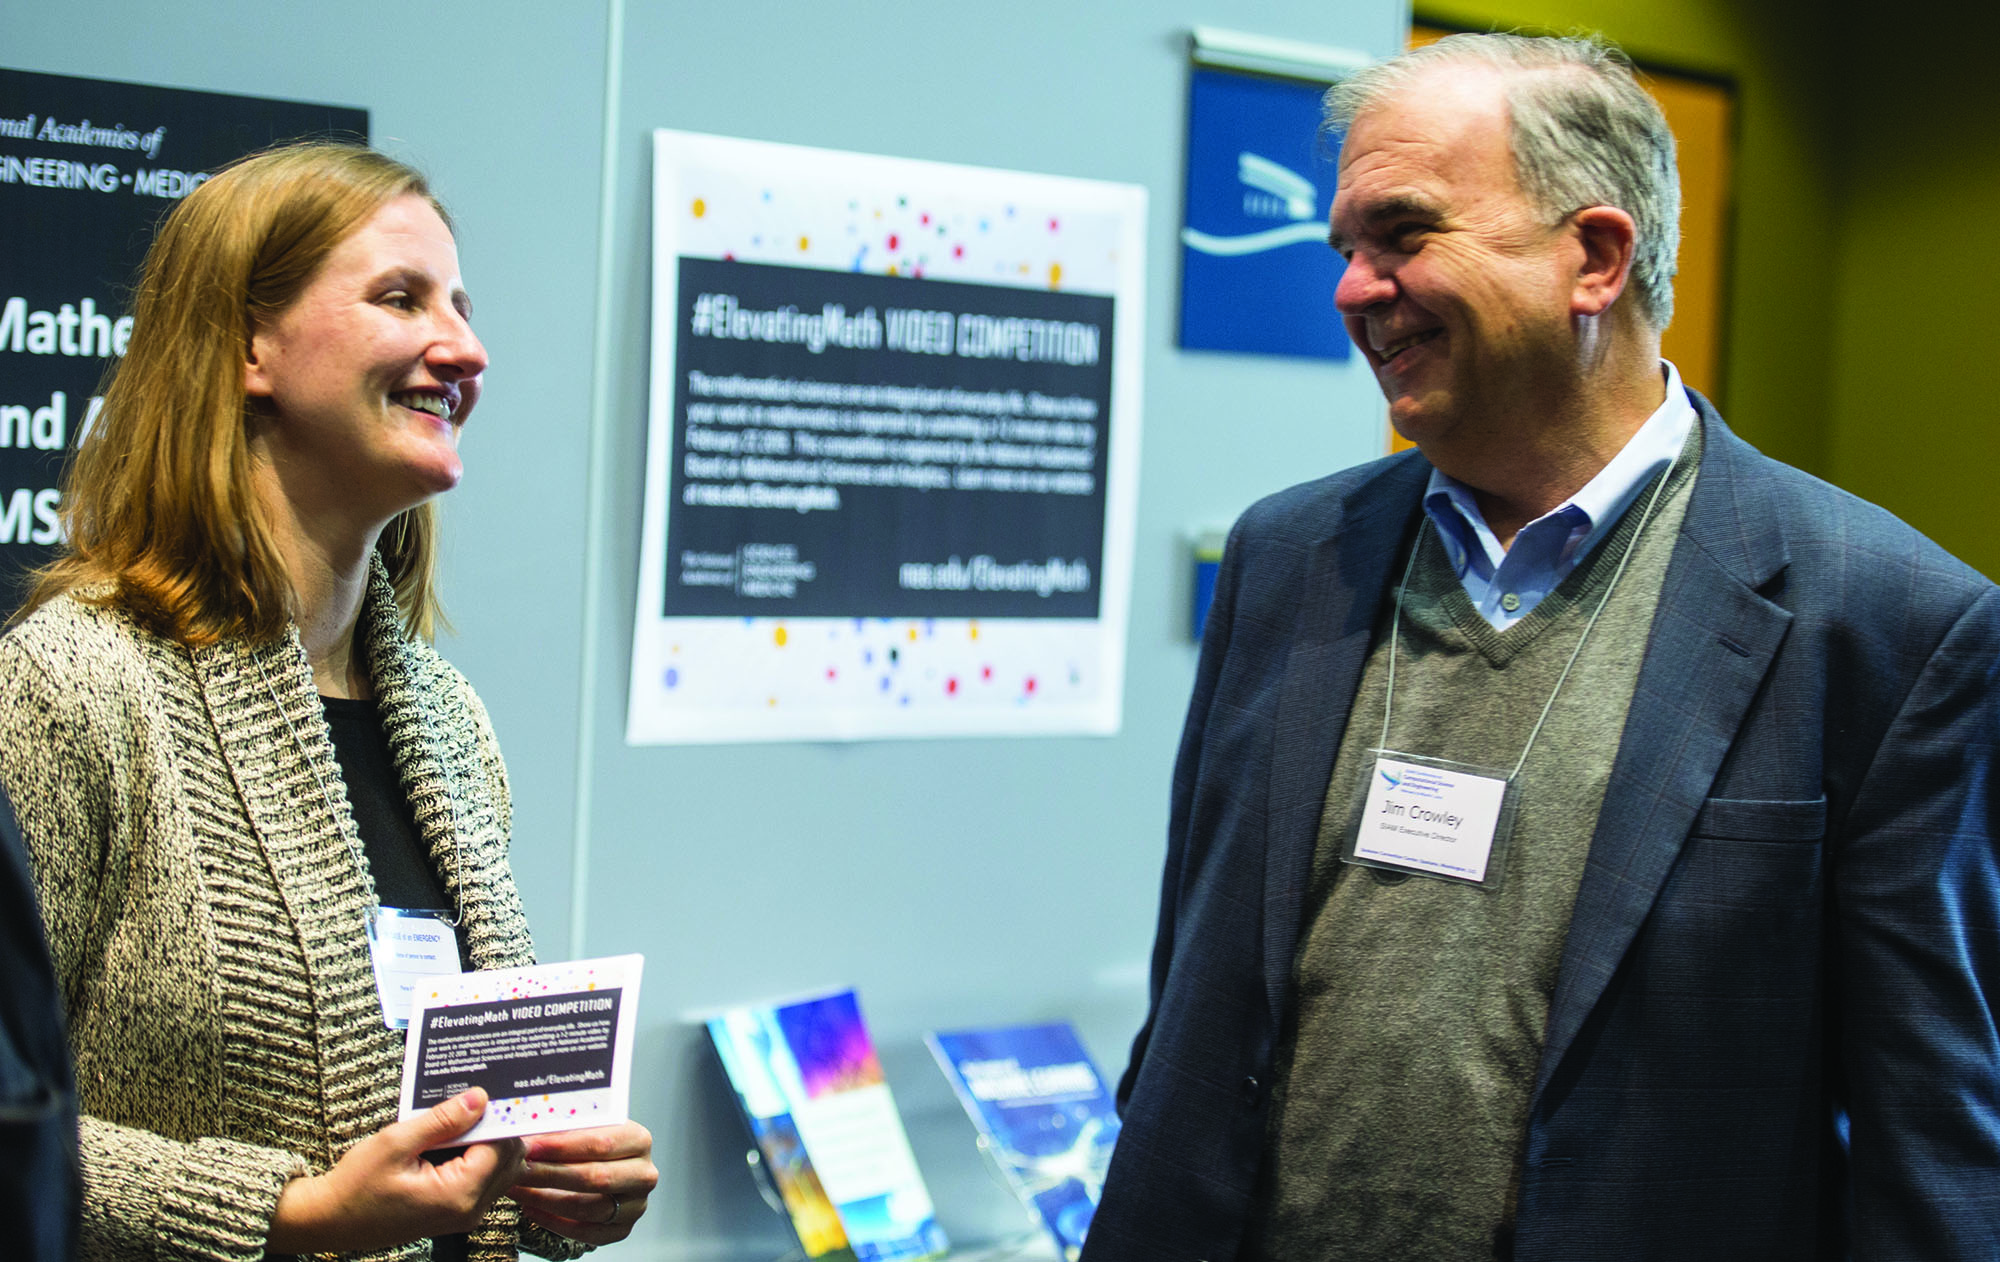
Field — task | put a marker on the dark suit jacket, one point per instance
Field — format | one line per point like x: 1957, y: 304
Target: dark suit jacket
x: 1773, y: 1032
x: 40, y: 1182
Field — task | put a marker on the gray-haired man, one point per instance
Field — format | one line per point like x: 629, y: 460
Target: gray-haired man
x: 1582, y: 836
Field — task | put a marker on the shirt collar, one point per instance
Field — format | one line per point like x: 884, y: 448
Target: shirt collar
x: 1592, y: 511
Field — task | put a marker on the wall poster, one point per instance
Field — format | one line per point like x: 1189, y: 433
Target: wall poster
x: 893, y: 454
x: 87, y: 169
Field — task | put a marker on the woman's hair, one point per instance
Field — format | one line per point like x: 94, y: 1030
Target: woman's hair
x: 159, y: 508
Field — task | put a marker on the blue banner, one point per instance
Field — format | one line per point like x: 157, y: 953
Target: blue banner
x: 1256, y: 273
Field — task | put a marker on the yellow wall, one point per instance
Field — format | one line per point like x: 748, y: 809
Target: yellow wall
x: 1916, y: 396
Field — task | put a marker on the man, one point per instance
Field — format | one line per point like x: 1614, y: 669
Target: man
x: 1582, y: 835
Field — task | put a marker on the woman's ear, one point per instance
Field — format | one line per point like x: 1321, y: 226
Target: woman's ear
x: 257, y: 362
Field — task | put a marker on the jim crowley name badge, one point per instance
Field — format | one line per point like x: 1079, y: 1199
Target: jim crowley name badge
x: 1438, y: 820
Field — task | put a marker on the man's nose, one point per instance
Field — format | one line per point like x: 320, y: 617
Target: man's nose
x: 1362, y: 285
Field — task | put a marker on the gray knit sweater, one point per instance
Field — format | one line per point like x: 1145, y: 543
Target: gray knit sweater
x: 206, y: 907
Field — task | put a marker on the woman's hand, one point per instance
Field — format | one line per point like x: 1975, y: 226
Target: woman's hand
x: 588, y: 1185
x: 383, y: 1192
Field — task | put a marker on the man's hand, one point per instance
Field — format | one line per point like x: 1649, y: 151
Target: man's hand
x: 383, y: 1192
x: 588, y: 1185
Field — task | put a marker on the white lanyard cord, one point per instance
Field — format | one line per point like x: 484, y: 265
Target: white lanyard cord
x: 1396, y: 620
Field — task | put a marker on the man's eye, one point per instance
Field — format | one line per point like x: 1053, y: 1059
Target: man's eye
x: 1409, y: 235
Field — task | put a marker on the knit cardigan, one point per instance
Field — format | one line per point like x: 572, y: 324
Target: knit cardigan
x: 206, y: 905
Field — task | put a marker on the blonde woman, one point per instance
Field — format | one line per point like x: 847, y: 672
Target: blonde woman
x: 230, y: 744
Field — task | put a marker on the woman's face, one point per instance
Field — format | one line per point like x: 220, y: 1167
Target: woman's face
x: 372, y: 372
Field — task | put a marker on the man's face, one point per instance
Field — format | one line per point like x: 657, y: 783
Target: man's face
x: 1457, y: 288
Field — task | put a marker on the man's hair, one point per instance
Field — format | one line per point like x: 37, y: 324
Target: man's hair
x: 1582, y: 130
x: 159, y: 508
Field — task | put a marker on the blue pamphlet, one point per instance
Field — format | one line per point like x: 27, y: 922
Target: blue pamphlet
x: 1039, y: 1101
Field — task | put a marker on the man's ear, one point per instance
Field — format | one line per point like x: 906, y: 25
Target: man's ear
x: 1608, y: 236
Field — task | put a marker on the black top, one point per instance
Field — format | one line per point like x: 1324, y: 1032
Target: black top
x: 397, y: 857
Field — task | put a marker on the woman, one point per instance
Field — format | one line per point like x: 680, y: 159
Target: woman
x: 251, y: 555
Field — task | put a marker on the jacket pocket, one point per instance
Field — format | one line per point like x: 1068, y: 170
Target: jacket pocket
x: 1753, y: 819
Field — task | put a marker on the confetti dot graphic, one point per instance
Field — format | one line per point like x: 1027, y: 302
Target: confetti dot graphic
x: 699, y: 208
x: 779, y: 637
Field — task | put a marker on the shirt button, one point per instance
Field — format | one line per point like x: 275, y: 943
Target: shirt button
x: 1250, y: 1090
x: 1510, y: 602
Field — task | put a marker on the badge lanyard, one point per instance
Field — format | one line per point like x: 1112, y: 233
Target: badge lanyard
x: 1435, y: 817
x: 404, y: 945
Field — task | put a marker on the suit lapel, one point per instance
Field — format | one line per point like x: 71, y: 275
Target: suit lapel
x: 1349, y: 574
x: 1712, y: 642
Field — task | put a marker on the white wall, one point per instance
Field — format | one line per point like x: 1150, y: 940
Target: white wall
x: 954, y: 882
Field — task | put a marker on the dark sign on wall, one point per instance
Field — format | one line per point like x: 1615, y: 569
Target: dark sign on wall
x: 942, y: 447
x: 87, y: 169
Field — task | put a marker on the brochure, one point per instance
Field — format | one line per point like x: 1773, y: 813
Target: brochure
x: 809, y: 1084
x: 551, y: 1043
x: 1047, y: 1119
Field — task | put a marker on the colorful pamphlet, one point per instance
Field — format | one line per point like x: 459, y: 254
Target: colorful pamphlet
x: 551, y: 1044
x: 1047, y: 1119
x: 811, y: 1088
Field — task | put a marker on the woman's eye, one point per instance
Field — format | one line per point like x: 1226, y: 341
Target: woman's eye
x: 400, y: 301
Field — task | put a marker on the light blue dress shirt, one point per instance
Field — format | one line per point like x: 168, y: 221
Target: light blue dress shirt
x: 1506, y: 584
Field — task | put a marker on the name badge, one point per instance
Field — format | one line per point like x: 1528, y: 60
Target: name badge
x: 1434, y: 818
x: 406, y: 947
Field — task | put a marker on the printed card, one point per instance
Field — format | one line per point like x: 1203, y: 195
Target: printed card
x: 551, y: 1044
